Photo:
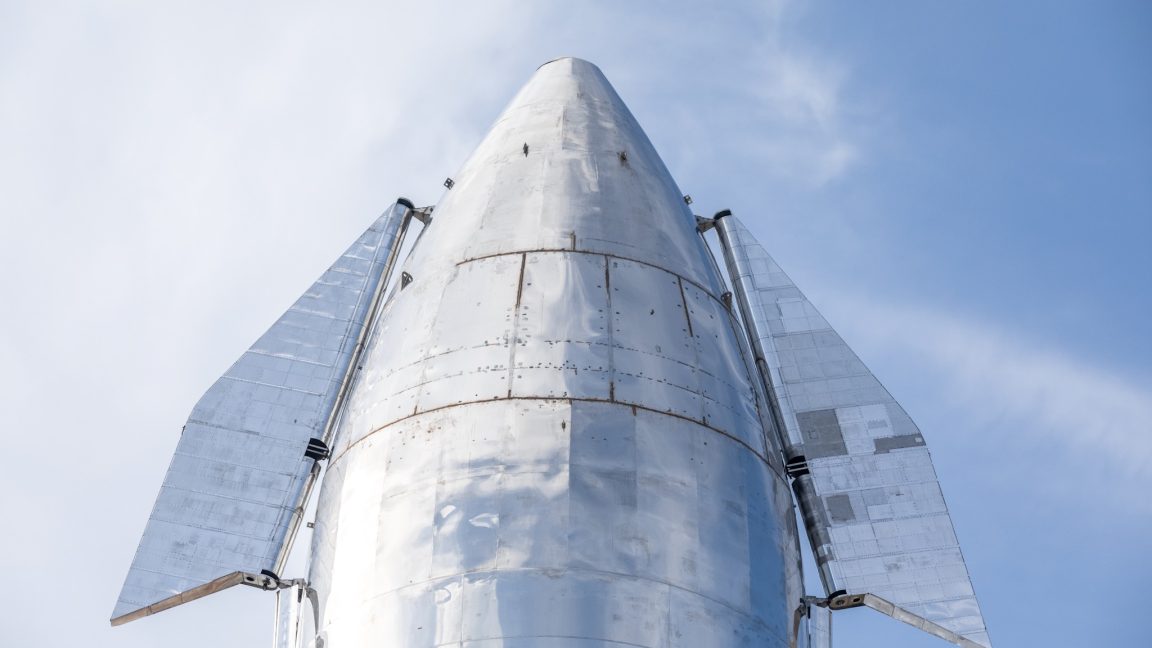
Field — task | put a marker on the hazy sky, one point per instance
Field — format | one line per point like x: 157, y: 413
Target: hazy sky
x: 964, y: 188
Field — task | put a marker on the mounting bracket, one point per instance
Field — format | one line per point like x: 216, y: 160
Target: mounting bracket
x: 842, y: 601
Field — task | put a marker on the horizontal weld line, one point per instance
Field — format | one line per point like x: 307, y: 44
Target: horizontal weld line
x: 862, y: 489
x: 264, y: 384
x: 230, y: 498
x: 218, y: 530
x: 217, y: 564
x: 805, y: 381
x: 233, y: 464
x: 289, y: 357
x: 550, y: 636
x: 902, y: 552
x: 585, y: 570
x: 265, y: 434
x: 522, y: 342
x: 603, y: 254
x: 558, y: 399
x: 609, y: 371
x: 297, y: 309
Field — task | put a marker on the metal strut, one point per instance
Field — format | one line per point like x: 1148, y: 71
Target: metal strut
x: 290, y: 598
x: 843, y: 601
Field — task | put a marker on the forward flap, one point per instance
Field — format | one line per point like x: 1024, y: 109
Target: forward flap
x: 233, y: 495
x: 864, y: 481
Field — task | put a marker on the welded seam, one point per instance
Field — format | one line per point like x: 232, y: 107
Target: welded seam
x: 558, y: 399
x: 579, y: 570
x: 732, y: 319
x: 514, y: 338
x: 546, y: 636
x: 696, y: 370
x: 611, y: 325
x: 609, y: 255
x: 687, y: 317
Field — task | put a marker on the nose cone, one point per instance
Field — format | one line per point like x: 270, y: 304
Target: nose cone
x: 567, y: 167
x: 553, y: 431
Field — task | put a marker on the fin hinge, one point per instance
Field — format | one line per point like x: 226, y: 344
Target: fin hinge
x: 841, y: 600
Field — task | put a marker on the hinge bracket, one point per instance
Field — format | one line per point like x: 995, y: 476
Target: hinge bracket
x: 841, y: 600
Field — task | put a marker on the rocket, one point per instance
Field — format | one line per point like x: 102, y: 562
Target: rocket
x: 558, y: 422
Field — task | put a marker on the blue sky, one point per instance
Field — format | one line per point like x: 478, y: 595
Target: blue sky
x: 964, y: 189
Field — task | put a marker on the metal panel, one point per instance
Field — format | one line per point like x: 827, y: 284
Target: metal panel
x: 871, y: 500
x: 388, y: 381
x: 230, y: 501
x: 731, y: 403
x: 563, y: 333
x: 556, y: 324
x: 819, y: 628
x: 653, y: 355
x: 289, y: 606
x: 468, y: 355
x: 546, y: 518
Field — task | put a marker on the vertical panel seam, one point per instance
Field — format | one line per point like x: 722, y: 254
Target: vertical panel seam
x: 611, y: 326
x: 695, y: 346
x: 687, y: 317
x: 515, y: 337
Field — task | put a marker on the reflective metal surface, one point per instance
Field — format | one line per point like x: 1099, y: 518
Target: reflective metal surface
x: 285, y: 630
x: 293, y: 623
x: 231, y: 499
x: 819, y: 627
x: 555, y: 439
x: 885, y: 607
x: 871, y: 502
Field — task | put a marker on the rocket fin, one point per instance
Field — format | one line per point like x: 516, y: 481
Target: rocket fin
x: 864, y: 480
x: 247, y: 457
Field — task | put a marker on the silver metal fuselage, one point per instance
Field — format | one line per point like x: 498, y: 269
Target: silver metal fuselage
x: 554, y: 431
x: 555, y: 438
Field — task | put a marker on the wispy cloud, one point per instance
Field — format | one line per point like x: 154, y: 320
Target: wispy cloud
x: 799, y: 97
x: 737, y: 90
x: 996, y: 376
x: 796, y: 96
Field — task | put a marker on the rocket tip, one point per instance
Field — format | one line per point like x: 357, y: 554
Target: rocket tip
x: 568, y: 58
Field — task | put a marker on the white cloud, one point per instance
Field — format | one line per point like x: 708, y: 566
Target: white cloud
x: 996, y: 377
x: 720, y: 86
x: 803, y: 135
x: 172, y: 177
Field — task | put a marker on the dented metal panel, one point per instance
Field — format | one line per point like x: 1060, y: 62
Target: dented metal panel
x: 232, y: 496
x: 563, y: 341
x: 868, y: 492
x: 653, y: 356
x: 557, y: 517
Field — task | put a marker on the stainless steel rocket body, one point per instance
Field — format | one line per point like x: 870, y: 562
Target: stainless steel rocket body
x: 554, y: 431
x: 555, y: 438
